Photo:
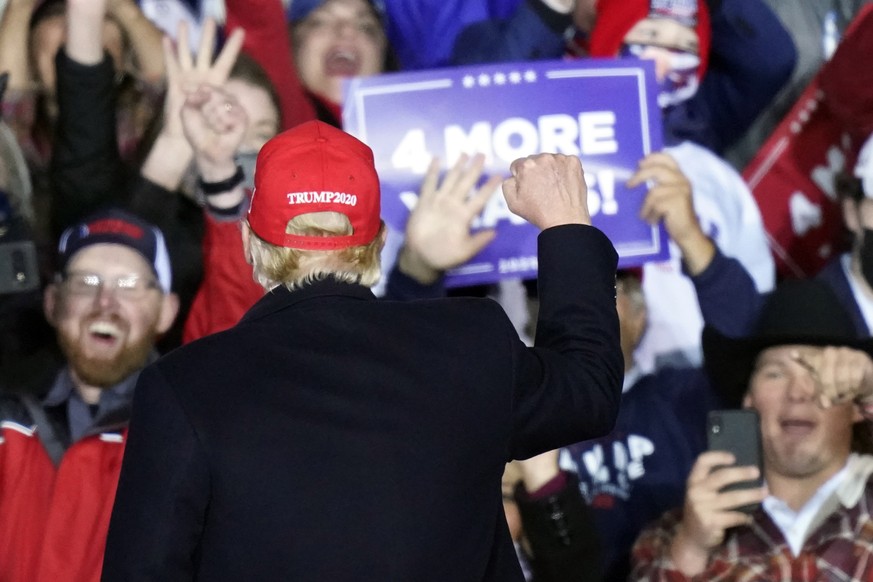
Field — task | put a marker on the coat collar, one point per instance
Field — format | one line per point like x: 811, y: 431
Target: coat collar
x: 280, y: 297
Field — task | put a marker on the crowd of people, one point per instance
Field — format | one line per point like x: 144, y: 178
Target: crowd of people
x: 289, y: 424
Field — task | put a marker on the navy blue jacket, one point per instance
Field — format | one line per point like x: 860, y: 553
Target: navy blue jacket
x: 834, y: 275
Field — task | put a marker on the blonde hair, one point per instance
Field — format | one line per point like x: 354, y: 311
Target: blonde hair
x: 274, y: 265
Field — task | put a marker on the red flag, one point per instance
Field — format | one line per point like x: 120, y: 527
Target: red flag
x: 792, y: 176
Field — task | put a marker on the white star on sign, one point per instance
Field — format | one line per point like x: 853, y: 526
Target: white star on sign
x: 804, y: 214
x: 823, y: 176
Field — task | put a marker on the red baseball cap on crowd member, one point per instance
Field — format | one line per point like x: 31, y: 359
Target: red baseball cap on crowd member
x: 615, y: 18
x: 315, y: 167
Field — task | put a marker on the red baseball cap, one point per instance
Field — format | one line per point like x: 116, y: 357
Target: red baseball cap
x: 315, y: 167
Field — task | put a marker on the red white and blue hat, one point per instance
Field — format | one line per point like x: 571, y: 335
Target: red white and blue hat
x: 114, y: 226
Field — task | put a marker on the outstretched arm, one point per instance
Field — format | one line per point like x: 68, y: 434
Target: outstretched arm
x: 214, y: 123
x: 19, y: 104
x: 86, y: 167
x: 14, y: 33
x: 726, y: 292
x: 752, y: 57
x: 574, y: 372
x: 144, y: 37
x: 669, y: 200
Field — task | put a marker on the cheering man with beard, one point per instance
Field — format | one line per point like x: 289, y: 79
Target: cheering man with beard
x: 60, y: 455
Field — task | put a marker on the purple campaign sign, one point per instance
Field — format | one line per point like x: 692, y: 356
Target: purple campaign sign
x: 603, y: 110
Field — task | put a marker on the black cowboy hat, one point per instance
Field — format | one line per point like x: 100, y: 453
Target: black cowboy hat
x: 804, y: 312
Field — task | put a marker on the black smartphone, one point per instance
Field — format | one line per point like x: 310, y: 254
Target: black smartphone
x: 19, y: 271
x: 739, y: 432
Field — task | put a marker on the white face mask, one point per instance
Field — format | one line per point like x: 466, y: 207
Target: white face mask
x: 681, y: 81
x: 247, y: 161
x: 864, y: 167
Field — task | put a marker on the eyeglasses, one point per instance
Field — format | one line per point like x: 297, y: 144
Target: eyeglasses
x: 89, y: 284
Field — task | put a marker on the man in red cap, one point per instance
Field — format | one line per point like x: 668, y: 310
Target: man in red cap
x: 332, y: 436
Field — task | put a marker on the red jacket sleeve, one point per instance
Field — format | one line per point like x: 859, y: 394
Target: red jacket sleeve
x: 228, y: 289
x: 268, y: 43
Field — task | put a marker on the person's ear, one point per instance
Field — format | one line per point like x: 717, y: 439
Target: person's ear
x: 169, y: 310
x: 747, y: 401
x: 50, y: 303
x: 639, y: 322
x: 850, y: 216
x: 246, y: 234
x: 857, y: 415
x: 383, y: 236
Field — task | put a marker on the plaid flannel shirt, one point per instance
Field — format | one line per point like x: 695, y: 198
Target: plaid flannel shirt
x: 840, y: 548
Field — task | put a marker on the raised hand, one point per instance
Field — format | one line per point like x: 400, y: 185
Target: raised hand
x: 548, y: 190
x: 215, y: 124
x: 438, y: 235
x: 186, y: 73
x: 841, y: 374
x: 669, y: 199
x: 170, y: 156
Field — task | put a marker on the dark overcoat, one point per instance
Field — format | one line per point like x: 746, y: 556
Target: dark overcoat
x: 331, y: 436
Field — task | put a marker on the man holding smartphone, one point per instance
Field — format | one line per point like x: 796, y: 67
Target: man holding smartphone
x: 810, y: 378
